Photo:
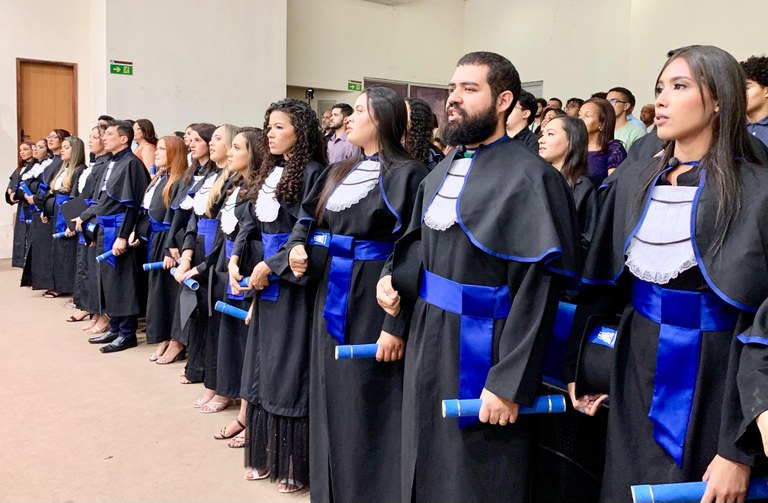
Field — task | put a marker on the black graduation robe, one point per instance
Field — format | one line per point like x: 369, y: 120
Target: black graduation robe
x: 86, y: 295
x: 162, y: 289
x: 355, y: 406
x: 123, y: 289
x: 738, y: 274
x: 23, y: 218
x: 38, y: 268
x: 517, y: 227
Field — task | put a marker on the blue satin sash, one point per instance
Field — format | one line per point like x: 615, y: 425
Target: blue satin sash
x: 344, y: 251
x: 478, y: 307
x: 156, y: 227
x: 207, y: 227
x: 272, y: 244
x: 683, y: 316
x: 229, y: 245
x: 110, y: 224
x: 61, y: 223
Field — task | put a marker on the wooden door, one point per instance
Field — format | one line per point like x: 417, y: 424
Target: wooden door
x: 46, y: 96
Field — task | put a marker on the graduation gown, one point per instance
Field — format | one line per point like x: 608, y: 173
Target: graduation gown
x: 737, y: 274
x: 162, y: 289
x: 232, y: 332
x: 279, y: 343
x: 86, y: 294
x: 38, y: 268
x: 123, y: 287
x: 23, y: 218
x: 355, y: 406
x: 527, y: 253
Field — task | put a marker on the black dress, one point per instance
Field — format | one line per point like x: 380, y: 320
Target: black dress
x: 276, y: 371
x: 38, y: 268
x: 473, y: 240
x: 736, y: 276
x: 355, y: 405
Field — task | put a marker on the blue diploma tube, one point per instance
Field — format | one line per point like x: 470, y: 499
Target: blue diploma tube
x: 235, y: 312
x: 23, y: 186
x: 355, y: 351
x: 189, y: 282
x: 690, y: 491
x: 60, y: 235
x: 104, y: 256
x: 152, y: 170
x: 152, y: 266
x: 244, y: 282
x: 547, y: 404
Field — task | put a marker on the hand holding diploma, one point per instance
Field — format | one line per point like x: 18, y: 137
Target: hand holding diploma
x: 168, y: 262
x: 298, y: 260
x: 390, y: 347
x: 30, y: 199
x: 78, y: 224
x: 70, y: 234
x: 235, y: 276
x: 187, y: 275
x: 387, y: 297
x: 726, y: 481
x: 260, y: 276
x: 497, y: 410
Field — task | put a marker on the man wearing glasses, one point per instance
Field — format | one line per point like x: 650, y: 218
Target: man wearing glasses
x: 623, y: 101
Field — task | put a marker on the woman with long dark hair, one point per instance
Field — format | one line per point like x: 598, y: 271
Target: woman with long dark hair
x: 685, y: 231
x: 15, y: 195
x: 563, y: 144
x: 357, y: 209
x: 276, y: 371
x: 182, y: 202
x: 605, y: 153
x: 86, y: 296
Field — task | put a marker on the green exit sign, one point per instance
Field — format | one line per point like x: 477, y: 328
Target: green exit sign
x: 354, y: 85
x: 121, y: 67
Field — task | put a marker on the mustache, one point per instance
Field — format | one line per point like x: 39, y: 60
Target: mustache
x: 456, y: 108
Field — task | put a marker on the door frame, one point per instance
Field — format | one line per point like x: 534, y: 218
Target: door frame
x: 19, y: 61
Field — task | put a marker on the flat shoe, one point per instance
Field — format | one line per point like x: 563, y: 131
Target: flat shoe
x: 222, y: 435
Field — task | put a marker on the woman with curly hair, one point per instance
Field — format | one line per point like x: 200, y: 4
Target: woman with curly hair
x: 355, y: 212
x: 276, y: 371
x: 418, y: 134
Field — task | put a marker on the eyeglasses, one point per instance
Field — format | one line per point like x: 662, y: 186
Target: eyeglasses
x: 616, y: 100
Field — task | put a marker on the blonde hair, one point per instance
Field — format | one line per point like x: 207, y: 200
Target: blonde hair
x: 230, y: 132
x: 76, y: 159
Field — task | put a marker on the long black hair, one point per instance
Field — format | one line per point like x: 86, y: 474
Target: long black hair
x: 309, y: 146
x: 575, y: 163
x: 388, y: 113
x: 606, y: 118
x: 418, y: 139
x: 720, y: 75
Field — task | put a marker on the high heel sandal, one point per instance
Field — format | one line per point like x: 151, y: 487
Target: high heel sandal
x: 222, y: 435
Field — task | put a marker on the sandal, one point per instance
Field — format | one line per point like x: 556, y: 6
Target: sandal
x: 289, y: 486
x: 238, y: 442
x: 212, y: 407
x: 222, y: 435
x: 167, y: 358
x: 74, y: 319
x: 159, y: 351
x: 50, y: 294
x: 253, y: 474
x: 98, y: 330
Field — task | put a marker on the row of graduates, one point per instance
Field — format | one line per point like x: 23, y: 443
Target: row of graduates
x: 469, y: 263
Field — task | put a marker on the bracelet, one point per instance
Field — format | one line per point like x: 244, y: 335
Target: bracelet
x: 186, y: 258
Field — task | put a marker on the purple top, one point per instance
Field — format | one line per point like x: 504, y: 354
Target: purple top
x: 339, y: 148
x: 601, y: 162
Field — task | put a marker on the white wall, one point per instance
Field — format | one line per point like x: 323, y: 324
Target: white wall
x: 577, y: 47
x: 332, y: 41
x: 196, y: 60
x: 40, y: 29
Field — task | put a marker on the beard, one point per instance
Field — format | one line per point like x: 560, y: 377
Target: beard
x: 470, y: 129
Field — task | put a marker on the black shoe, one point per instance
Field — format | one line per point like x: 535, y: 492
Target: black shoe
x: 119, y: 344
x: 104, y: 338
